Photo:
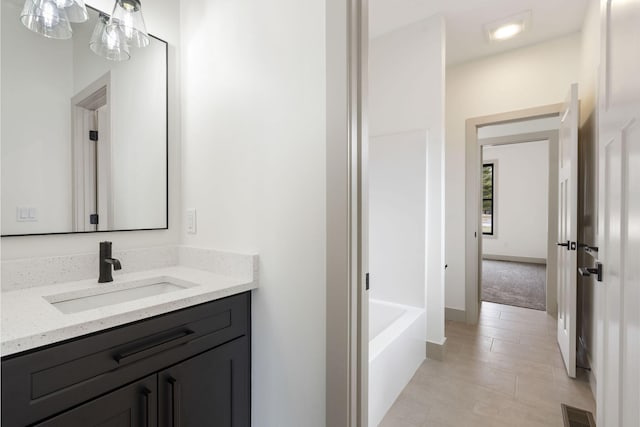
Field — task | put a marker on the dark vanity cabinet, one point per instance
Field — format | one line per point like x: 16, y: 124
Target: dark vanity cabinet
x: 205, y: 387
x: 134, y: 405
x: 187, y: 368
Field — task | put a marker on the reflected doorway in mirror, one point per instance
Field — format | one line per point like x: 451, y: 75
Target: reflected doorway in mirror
x: 91, y: 151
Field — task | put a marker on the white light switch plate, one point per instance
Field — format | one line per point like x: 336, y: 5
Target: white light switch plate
x: 26, y: 214
x: 191, y: 221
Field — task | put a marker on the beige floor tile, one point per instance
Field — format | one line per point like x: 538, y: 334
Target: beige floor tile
x: 490, y: 313
x: 548, y: 342
x: 463, y: 330
x: 406, y: 412
x: 505, y: 371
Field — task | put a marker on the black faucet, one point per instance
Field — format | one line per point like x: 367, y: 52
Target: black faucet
x: 106, y: 261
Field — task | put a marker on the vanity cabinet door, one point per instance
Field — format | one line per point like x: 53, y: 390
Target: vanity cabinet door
x: 132, y: 406
x: 209, y: 390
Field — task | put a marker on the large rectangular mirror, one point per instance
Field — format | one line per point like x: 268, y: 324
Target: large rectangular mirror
x: 83, y: 139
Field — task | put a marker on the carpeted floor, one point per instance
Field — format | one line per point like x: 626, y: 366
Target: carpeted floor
x: 514, y: 283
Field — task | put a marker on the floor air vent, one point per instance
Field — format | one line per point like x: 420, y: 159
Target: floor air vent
x: 574, y: 417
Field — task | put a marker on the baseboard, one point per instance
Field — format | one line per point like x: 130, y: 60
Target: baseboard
x: 436, y: 351
x: 455, y: 315
x: 529, y: 260
x: 592, y: 378
x: 582, y: 358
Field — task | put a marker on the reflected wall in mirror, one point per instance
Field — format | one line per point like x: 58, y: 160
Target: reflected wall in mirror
x: 83, y: 139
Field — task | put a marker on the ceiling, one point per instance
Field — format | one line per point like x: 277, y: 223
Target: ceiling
x: 465, y: 20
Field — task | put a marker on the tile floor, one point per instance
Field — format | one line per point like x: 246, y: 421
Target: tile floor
x: 504, y: 372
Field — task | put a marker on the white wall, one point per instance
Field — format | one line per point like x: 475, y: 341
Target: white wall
x: 254, y: 168
x: 406, y: 93
x: 405, y: 79
x: 163, y: 19
x: 36, y: 157
x: 524, y: 78
x: 521, y: 200
x: 398, y: 217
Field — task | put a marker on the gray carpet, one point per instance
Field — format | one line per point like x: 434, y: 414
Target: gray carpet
x: 514, y: 283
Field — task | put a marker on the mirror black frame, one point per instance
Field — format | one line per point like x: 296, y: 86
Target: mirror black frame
x: 166, y: 227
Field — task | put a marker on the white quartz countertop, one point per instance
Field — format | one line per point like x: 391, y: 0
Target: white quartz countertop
x: 29, y: 320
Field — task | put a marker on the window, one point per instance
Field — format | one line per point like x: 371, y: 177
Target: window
x: 487, y: 199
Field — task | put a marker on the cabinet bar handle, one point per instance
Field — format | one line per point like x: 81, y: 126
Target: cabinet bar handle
x: 145, y: 398
x: 175, y: 402
x: 149, y: 349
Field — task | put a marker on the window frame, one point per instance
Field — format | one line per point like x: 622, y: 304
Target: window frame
x: 492, y: 199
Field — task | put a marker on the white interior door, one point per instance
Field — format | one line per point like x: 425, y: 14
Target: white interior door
x: 568, y: 230
x: 618, y: 376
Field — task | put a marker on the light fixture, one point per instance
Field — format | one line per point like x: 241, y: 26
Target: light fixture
x: 112, y: 36
x: 46, y: 18
x: 108, y: 44
x: 507, y: 31
x: 77, y: 11
x: 508, y: 28
x: 127, y: 19
x: 63, y: 3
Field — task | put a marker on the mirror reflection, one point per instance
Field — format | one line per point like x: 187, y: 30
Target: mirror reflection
x: 83, y: 138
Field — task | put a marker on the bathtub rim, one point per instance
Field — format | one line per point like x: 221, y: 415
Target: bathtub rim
x: 400, y: 325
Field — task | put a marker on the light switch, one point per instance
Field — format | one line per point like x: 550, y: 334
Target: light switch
x: 191, y: 221
x: 26, y: 214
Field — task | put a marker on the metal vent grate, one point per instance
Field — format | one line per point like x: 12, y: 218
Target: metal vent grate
x: 574, y: 417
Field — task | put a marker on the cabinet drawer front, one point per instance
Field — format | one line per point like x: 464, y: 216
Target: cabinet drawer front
x: 45, y: 382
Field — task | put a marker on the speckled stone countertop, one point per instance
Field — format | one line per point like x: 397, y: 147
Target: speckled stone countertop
x: 30, y: 321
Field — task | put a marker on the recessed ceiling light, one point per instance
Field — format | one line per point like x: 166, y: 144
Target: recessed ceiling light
x: 508, y: 28
x: 507, y: 31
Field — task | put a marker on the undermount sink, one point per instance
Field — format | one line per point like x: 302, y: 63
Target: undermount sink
x: 111, y: 294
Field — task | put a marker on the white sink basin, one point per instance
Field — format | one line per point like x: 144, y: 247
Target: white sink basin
x: 114, y: 293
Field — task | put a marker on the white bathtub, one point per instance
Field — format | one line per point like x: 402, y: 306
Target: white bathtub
x: 396, y: 350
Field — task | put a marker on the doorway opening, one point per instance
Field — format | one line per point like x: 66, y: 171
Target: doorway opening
x: 495, y: 132
x: 515, y: 211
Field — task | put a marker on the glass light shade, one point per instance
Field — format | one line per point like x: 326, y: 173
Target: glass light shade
x: 127, y: 19
x: 46, y: 18
x: 108, y: 44
x: 63, y: 3
x: 77, y: 12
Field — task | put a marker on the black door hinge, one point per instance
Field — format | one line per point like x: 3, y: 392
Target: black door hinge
x: 93, y: 135
x: 93, y: 219
x: 366, y: 282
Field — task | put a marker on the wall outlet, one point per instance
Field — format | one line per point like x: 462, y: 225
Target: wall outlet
x: 26, y: 214
x: 191, y: 221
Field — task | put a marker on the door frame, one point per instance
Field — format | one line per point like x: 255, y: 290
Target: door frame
x: 473, y: 188
x: 84, y: 105
x: 552, y: 138
x: 347, y: 300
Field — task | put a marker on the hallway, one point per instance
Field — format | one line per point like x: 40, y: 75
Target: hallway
x: 504, y: 372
